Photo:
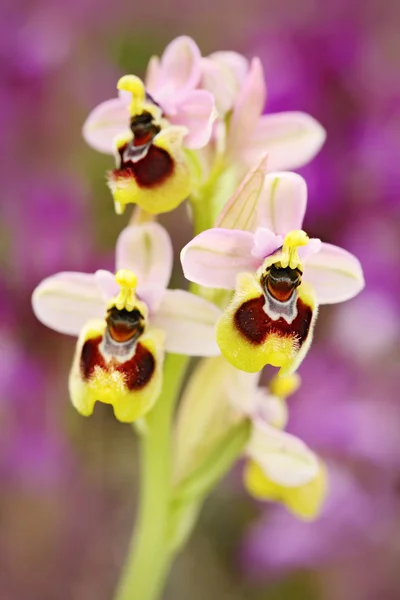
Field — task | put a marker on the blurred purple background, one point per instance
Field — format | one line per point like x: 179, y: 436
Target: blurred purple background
x: 67, y: 484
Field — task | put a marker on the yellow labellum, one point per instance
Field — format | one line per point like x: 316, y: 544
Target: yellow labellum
x: 304, y: 501
x: 102, y: 378
x: 249, y: 340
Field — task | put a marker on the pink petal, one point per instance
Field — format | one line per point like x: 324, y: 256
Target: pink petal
x: 270, y: 409
x: 313, y: 246
x: 125, y: 97
x: 241, y: 211
x: 107, y: 284
x: 147, y: 251
x: 265, y: 243
x: 189, y: 322
x: 335, y: 274
x: 283, y: 202
x: 216, y: 256
x: 67, y: 301
x: 179, y: 67
x: 153, y: 74
x: 247, y: 110
x: 237, y: 64
x: 196, y: 112
x: 223, y: 74
x: 291, y: 139
x: 107, y: 120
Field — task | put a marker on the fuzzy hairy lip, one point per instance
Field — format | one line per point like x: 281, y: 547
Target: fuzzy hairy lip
x: 137, y: 370
x: 151, y: 170
x: 255, y: 325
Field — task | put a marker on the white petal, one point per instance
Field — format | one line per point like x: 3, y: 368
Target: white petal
x: 189, y: 322
x: 197, y: 113
x: 240, y: 212
x: 215, y: 257
x: 335, y: 274
x: 291, y: 139
x: 241, y: 389
x: 247, y: 111
x: 223, y: 74
x: 147, y: 251
x: 284, y: 458
x: 66, y: 301
x: 270, y: 408
x: 106, y: 121
x: 152, y: 74
x: 235, y: 62
x: 283, y: 202
x: 265, y: 243
x: 314, y: 245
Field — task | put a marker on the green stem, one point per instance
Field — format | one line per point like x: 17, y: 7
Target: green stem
x: 202, y: 201
x: 201, y: 215
x: 151, y: 552
x: 149, y: 556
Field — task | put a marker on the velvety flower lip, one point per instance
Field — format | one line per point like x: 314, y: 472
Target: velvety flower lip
x: 215, y: 257
x: 125, y: 322
x: 171, y: 84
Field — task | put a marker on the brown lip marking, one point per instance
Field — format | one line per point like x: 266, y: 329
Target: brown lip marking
x: 137, y: 371
x: 151, y: 170
x: 255, y: 325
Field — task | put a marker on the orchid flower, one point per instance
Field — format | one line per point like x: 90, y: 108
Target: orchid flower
x: 291, y: 139
x: 279, y: 275
x: 148, y: 126
x: 279, y: 466
x: 125, y: 323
